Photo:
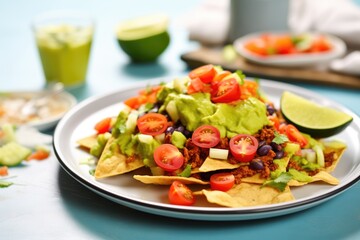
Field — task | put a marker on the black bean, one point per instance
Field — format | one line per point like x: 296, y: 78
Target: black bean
x: 279, y: 154
x: 263, y: 150
x: 180, y: 128
x: 262, y: 143
x: 256, y: 164
x: 187, y: 133
x: 169, y: 130
x: 270, y: 109
x: 276, y: 147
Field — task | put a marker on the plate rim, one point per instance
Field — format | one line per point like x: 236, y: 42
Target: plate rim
x: 204, y: 212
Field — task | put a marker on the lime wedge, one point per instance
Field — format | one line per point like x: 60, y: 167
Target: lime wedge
x: 311, y: 118
x: 144, y: 38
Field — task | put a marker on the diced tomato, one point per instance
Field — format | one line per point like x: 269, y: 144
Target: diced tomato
x: 196, y: 85
x: 220, y: 76
x: 283, y: 45
x: 275, y: 121
x: 249, y: 89
x: 152, y: 124
x: 103, y: 126
x: 320, y: 44
x: 180, y: 194
x: 38, y: 155
x: 206, y: 136
x: 168, y: 157
x: 4, y: 171
x: 205, y: 73
x: 147, y: 95
x: 226, y: 91
x: 243, y: 147
x: 257, y: 46
x: 222, y: 181
x: 294, y: 135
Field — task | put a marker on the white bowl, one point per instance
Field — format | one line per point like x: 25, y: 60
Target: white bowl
x: 291, y: 60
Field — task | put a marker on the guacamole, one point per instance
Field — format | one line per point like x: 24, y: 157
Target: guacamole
x: 247, y: 116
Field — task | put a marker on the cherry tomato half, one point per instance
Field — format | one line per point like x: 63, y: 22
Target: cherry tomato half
x: 222, y: 181
x: 294, y: 135
x: 180, y: 194
x: 103, y: 126
x: 152, y: 124
x: 226, y: 91
x: 168, y: 157
x: 206, y: 136
x: 243, y: 147
x: 221, y: 75
x: 205, y: 73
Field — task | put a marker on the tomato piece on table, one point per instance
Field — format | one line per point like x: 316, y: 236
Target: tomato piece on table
x: 152, y: 124
x: 205, y: 73
x: 38, y: 155
x: 243, y: 147
x: 4, y: 171
x: 226, y: 91
x: 103, y: 126
x: 206, y: 136
x: 180, y: 194
x: 222, y: 181
x: 168, y: 157
x: 294, y: 135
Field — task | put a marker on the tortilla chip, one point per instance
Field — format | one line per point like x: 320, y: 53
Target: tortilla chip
x: 246, y: 195
x: 320, y: 176
x: 112, y: 162
x: 254, y: 179
x: 338, y: 152
x: 87, y: 142
x: 167, y: 180
x: 211, y: 164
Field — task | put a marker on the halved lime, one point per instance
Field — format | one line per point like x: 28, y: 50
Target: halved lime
x: 144, y: 38
x: 311, y: 118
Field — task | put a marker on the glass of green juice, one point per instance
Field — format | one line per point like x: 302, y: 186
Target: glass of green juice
x: 64, y: 41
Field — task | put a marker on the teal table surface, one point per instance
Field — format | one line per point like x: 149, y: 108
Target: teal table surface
x: 47, y: 203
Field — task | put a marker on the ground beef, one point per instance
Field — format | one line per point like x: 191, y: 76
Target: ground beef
x: 267, y: 134
x: 293, y: 164
x: 329, y: 158
x: 246, y: 171
x: 193, y: 154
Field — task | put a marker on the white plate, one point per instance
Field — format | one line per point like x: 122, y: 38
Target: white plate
x: 79, y: 122
x: 65, y: 98
x: 295, y: 60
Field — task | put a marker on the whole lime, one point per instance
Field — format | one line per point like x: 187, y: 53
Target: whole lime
x: 144, y: 39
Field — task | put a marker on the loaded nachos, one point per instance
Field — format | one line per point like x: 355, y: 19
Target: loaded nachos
x: 211, y: 134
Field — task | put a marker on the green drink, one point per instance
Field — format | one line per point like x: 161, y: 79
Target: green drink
x: 64, y: 49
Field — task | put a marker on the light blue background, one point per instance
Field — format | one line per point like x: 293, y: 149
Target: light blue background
x: 51, y: 205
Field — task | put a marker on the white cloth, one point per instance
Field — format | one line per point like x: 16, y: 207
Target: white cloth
x: 209, y: 24
x: 337, y: 17
x: 349, y: 64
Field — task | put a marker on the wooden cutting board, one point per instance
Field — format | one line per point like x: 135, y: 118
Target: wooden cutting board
x: 307, y: 75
